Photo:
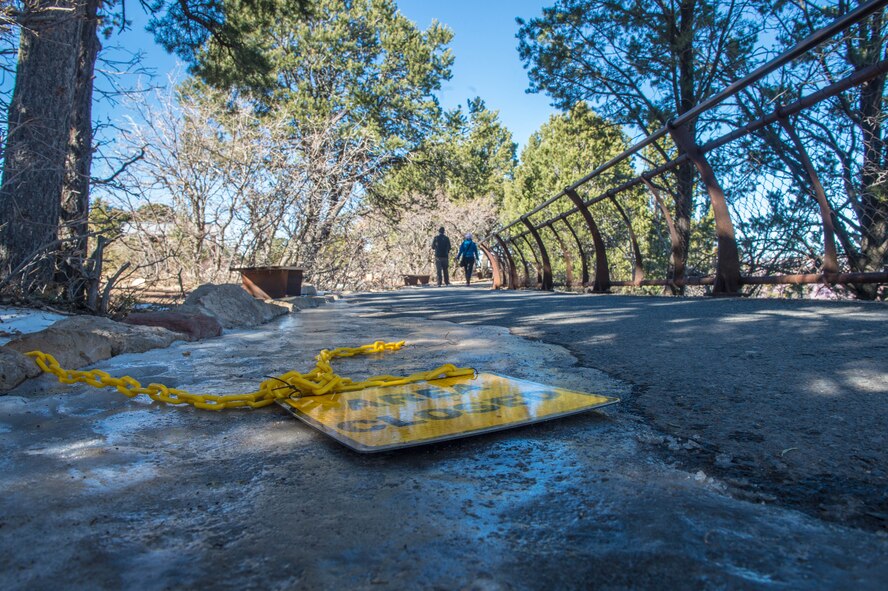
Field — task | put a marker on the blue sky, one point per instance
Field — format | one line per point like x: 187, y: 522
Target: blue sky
x: 484, y: 48
x: 487, y: 64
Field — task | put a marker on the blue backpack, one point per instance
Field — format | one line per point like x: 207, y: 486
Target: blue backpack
x: 469, y: 251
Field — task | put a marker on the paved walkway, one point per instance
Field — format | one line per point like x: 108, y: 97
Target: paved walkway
x: 787, y: 399
x: 692, y: 482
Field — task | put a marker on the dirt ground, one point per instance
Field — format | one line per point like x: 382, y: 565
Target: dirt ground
x: 748, y: 453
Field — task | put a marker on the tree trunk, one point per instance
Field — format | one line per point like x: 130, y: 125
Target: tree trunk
x: 684, y: 209
x: 39, y: 131
x: 873, y: 196
x: 873, y: 214
x: 74, y: 221
x: 684, y: 198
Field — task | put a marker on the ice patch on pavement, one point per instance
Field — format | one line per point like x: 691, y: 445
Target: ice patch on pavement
x: 18, y: 321
x: 74, y: 450
x: 112, y: 478
x: 120, y: 427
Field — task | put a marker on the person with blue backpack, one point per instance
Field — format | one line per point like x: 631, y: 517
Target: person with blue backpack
x: 468, y: 256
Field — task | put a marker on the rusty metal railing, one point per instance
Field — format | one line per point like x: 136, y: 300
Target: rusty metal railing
x: 567, y: 228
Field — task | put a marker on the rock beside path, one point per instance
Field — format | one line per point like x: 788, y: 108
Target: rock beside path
x: 15, y: 368
x: 194, y: 326
x: 83, y: 340
x: 231, y: 306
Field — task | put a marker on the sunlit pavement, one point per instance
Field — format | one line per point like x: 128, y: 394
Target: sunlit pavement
x: 747, y: 453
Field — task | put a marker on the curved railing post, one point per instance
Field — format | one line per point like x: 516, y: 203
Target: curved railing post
x: 494, y: 264
x: 638, y: 269
x: 546, y: 283
x: 510, y: 262
x: 602, y: 281
x: 502, y: 266
x: 678, y: 259
x: 830, y: 256
x: 568, y: 260
x: 584, y: 264
x: 523, y: 262
x: 727, y: 266
x: 537, y: 265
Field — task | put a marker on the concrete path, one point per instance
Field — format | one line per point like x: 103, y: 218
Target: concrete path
x: 692, y: 482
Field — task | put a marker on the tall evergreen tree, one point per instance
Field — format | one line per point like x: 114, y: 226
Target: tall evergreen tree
x: 41, y: 119
x: 639, y: 63
x: 469, y: 154
x: 44, y: 192
x: 845, y: 137
x: 357, y: 81
x: 561, y: 151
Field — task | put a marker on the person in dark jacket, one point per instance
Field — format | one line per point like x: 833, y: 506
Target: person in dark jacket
x: 468, y: 256
x: 441, y: 246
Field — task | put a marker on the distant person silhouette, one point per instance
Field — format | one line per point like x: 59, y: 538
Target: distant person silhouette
x: 441, y: 246
x: 468, y: 256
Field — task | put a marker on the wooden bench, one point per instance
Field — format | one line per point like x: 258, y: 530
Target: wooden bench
x: 416, y: 279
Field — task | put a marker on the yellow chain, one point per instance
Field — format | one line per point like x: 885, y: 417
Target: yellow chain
x: 320, y: 380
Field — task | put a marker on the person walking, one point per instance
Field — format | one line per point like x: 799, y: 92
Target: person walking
x: 468, y: 256
x: 441, y: 246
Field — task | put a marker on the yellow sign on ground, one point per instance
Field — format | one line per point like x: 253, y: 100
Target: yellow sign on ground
x: 380, y: 419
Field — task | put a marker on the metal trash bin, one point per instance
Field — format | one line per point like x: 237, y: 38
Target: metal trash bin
x: 269, y: 283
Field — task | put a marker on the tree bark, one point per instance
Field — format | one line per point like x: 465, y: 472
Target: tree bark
x: 683, y: 44
x: 39, y: 131
x: 74, y: 221
x: 873, y: 214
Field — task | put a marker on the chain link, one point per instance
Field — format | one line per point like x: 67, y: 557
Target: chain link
x: 317, y: 382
